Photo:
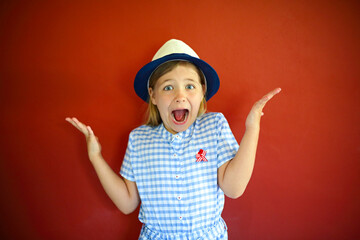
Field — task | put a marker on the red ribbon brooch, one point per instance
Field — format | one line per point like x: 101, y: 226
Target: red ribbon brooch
x: 200, y: 156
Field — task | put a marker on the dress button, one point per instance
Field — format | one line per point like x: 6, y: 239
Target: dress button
x: 174, y: 154
x: 180, y: 218
x: 179, y: 198
x: 177, y: 176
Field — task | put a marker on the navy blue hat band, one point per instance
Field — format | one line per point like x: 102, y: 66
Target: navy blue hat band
x: 170, y: 52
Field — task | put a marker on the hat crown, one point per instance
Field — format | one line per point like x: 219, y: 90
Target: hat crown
x: 174, y: 46
x: 175, y: 50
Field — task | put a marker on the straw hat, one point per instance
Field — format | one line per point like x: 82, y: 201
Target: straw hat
x: 174, y: 50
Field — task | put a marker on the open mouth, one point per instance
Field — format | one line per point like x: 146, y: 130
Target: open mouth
x: 180, y: 116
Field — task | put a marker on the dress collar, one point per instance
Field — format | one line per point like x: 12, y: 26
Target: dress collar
x: 181, y: 135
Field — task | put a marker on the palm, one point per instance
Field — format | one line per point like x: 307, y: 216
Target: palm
x: 253, y: 119
x: 93, y: 145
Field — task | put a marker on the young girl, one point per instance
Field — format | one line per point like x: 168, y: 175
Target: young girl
x: 182, y: 161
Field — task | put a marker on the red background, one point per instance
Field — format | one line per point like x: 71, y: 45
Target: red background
x: 73, y: 58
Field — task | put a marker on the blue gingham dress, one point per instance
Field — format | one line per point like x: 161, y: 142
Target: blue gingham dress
x: 180, y: 197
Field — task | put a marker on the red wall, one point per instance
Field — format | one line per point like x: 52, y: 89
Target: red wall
x: 60, y: 59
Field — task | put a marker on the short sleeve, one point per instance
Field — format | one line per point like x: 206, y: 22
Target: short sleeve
x: 227, y: 146
x: 126, y: 169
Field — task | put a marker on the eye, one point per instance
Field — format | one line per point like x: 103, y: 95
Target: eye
x: 168, y: 88
x: 190, y: 86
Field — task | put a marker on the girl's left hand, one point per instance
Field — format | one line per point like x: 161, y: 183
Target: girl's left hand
x: 253, y: 119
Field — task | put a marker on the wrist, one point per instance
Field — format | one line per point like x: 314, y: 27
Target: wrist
x: 253, y: 128
x: 95, y: 157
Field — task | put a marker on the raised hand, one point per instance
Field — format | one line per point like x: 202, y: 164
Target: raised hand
x: 93, y: 145
x: 253, y: 119
x: 234, y: 175
x: 122, y: 192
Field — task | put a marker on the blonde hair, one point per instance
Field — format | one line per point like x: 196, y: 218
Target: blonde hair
x: 153, y: 114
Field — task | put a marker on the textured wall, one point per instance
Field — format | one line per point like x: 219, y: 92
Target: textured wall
x: 73, y: 58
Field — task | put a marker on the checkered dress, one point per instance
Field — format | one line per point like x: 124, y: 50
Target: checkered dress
x: 176, y: 176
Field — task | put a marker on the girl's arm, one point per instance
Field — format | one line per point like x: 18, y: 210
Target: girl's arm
x: 121, y: 191
x: 234, y: 175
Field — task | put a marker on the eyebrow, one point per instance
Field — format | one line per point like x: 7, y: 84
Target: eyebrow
x: 186, y: 79
x: 190, y: 79
x: 166, y: 80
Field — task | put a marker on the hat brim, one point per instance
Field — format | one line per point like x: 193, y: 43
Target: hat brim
x: 142, y: 77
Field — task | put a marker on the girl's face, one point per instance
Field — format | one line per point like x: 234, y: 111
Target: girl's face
x: 177, y: 95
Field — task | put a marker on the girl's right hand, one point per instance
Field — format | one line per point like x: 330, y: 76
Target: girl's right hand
x: 93, y: 145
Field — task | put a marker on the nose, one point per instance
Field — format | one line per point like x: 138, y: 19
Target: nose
x: 180, y: 97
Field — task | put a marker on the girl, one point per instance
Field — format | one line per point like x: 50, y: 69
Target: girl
x: 182, y: 161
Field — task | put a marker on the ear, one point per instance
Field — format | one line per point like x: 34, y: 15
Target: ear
x: 203, y: 89
x: 152, y: 98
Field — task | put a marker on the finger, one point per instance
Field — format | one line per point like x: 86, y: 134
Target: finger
x: 90, y: 130
x: 91, y: 134
x: 80, y: 126
x: 267, y: 97
x: 70, y: 120
x: 271, y: 94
